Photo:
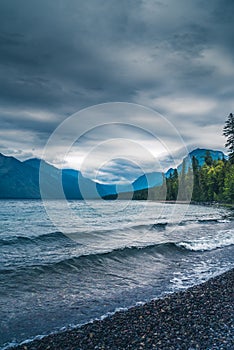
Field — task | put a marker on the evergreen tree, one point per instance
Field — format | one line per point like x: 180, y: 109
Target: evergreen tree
x: 208, y: 158
x: 213, y: 181
x: 220, y: 171
x: 196, y: 180
x: 185, y: 182
x: 189, y: 183
x: 172, y: 185
x: 175, y: 184
x: 204, y: 194
x: 228, y: 132
x: 169, y: 182
x: 228, y: 192
x: 159, y: 193
x: 182, y: 190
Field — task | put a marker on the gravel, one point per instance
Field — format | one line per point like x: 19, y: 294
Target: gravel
x: 199, y: 318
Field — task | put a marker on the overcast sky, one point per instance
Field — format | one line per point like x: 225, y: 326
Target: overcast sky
x: 58, y: 57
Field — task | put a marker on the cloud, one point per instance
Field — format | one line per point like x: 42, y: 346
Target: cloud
x: 59, y: 57
x: 191, y: 106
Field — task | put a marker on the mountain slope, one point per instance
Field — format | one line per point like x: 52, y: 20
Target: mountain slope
x: 17, y: 180
x: 21, y: 179
x: 75, y: 185
x: 148, y: 180
x: 200, y: 154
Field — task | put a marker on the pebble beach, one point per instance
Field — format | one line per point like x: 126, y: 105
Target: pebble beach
x: 200, y: 317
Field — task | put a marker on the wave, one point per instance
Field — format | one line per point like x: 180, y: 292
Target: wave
x: 48, y: 237
x: 163, y: 225
x: 120, y: 255
x: 208, y: 221
x: 224, y: 239
x: 152, y: 226
x: 219, y: 220
x: 59, y: 236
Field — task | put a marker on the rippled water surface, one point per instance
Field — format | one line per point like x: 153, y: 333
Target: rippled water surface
x: 60, y: 270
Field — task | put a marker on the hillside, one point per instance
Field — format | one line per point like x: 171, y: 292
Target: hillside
x: 21, y: 180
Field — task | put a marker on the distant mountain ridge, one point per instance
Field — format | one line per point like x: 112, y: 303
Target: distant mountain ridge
x: 17, y: 180
x: 21, y: 179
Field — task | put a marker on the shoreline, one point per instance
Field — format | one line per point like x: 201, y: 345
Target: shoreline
x: 225, y: 205
x: 200, y: 317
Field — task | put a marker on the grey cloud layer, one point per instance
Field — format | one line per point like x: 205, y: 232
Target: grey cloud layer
x: 57, y: 57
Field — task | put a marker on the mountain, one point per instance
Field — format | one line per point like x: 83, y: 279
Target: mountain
x: 148, y: 181
x: 88, y: 187
x: 200, y: 154
x: 17, y: 180
x: 75, y: 185
x: 169, y: 172
x: 50, y: 177
x: 21, y: 179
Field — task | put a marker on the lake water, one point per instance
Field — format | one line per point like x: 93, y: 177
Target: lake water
x: 114, y: 254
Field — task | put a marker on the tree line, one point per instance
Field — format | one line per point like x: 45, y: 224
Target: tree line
x: 212, y: 181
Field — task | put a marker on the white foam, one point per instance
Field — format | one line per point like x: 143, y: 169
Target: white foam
x: 201, y: 273
x: 223, y: 239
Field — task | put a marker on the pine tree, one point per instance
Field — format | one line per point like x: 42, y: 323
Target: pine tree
x: 208, y: 158
x: 169, y: 182
x: 175, y: 184
x: 172, y: 185
x: 185, y: 182
x: 196, y: 180
x: 229, y: 184
x: 228, y: 132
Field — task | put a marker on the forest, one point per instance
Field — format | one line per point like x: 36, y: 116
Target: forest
x: 211, y: 182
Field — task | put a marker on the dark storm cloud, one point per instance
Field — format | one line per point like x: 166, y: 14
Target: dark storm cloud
x: 57, y: 57
x: 52, y: 54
